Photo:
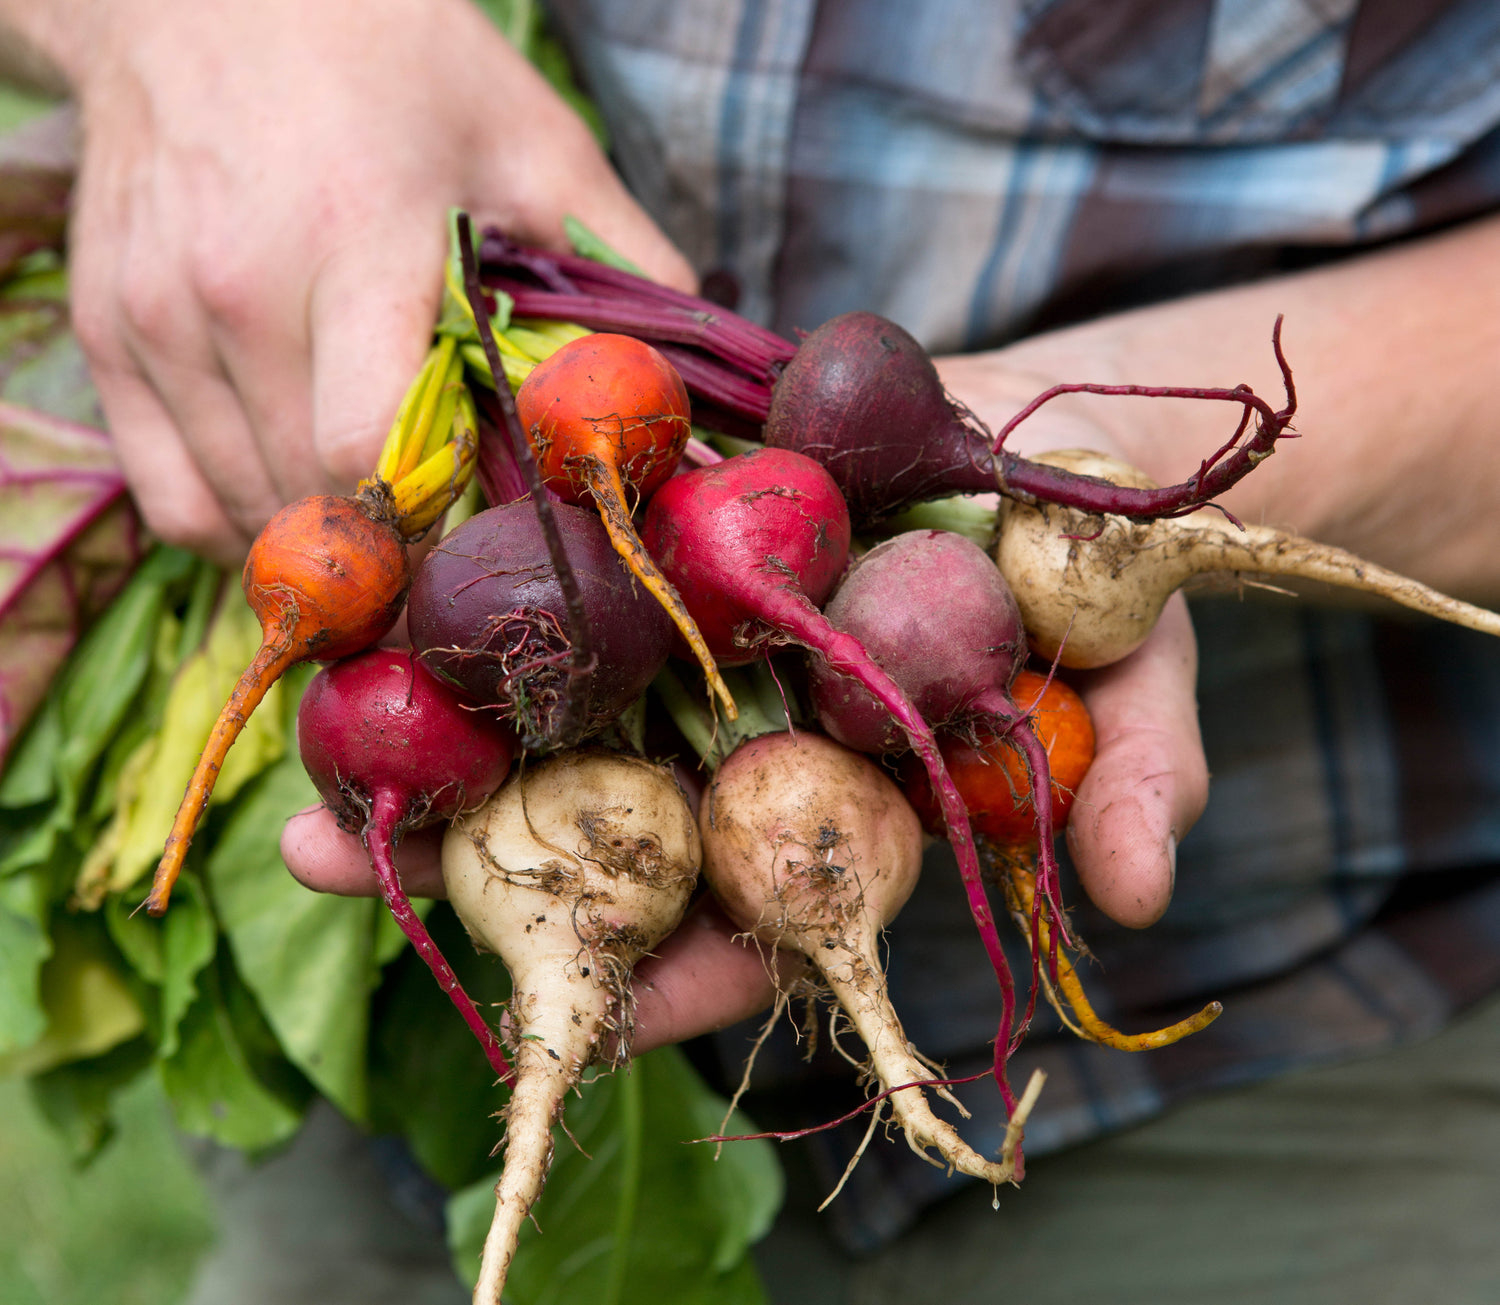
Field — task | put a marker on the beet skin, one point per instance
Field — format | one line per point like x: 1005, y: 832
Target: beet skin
x: 488, y: 615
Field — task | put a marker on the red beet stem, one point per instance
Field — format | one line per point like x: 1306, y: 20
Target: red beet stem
x: 1231, y: 462
x: 573, y: 274
x: 379, y: 837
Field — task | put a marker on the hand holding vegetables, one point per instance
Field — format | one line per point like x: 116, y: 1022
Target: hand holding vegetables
x: 254, y: 287
x: 746, y: 541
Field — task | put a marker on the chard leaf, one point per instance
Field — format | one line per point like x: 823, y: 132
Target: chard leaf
x: 24, y: 945
x: 422, y: 1052
x: 36, y: 177
x: 68, y: 539
x: 647, y: 1218
x: 89, y: 702
x: 150, y: 785
x: 308, y: 957
x: 77, y: 1099
x: 168, y: 953
x: 224, y: 1082
x: 89, y: 1003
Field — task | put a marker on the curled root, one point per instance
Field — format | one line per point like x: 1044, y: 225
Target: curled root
x: 1020, y: 892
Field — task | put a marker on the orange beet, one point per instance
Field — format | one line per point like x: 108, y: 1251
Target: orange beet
x: 608, y: 417
x: 992, y: 778
x: 609, y: 397
x: 326, y: 578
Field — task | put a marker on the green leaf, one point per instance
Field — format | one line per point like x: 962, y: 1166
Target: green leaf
x: 308, y: 957
x: 422, y: 1052
x: 167, y: 953
x: 587, y: 245
x: 24, y: 945
x: 151, y: 783
x: 223, y: 1082
x: 87, y: 705
x: 648, y: 1218
x: 89, y: 1002
x: 78, y: 1099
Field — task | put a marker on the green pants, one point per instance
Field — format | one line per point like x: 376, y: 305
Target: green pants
x: 1371, y: 1183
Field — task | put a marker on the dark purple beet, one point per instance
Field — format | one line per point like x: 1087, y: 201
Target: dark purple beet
x: 390, y: 748
x: 488, y: 616
x: 862, y: 397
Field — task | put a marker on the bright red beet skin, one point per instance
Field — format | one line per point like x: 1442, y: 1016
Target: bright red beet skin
x: 390, y: 748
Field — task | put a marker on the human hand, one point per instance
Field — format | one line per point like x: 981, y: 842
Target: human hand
x: 1148, y: 783
x: 260, y: 229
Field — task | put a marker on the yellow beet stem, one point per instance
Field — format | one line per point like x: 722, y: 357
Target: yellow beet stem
x: 276, y: 655
x: 444, y: 373
x: 397, y: 440
x: 421, y: 496
x: 603, y: 480
x: 1023, y: 885
x: 516, y: 369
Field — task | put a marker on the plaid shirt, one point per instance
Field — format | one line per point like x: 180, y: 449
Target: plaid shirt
x: 977, y: 170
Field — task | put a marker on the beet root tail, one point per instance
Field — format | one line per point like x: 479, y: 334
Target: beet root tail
x: 1021, y: 888
x: 856, y: 982
x: 609, y: 494
x: 379, y: 839
x: 278, y: 653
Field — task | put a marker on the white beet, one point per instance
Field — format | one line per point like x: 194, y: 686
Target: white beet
x: 574, y: 870
x: 1093, y: 586
x: 809, y: 846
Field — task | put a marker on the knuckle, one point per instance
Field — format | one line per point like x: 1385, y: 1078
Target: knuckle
x: 94, y: 327
x: 229, y: 289
x: 148, y: 304
x: 183, y: 528
x: 189, y: 521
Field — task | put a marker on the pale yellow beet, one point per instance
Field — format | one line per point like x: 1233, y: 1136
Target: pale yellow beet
x: 571, y: 873
x: 1094, y: 585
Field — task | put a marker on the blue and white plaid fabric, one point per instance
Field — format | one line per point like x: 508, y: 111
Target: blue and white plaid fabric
x: 979, y: 169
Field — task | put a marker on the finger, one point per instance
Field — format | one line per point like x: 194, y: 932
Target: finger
x: 328, y: 860
x: 705, y: 977
x: 177, y: 502
x: 260, y: 333
x: 1149, y: 781
x: 164, y: 329
x: 175, y: 497
x: 371, y: 313
x: 213, y: 432
x: 607, y: 209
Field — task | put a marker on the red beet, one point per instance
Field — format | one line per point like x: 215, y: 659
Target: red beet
x: 753, y: 544
x: 390, y: 748
x: 936, y: 614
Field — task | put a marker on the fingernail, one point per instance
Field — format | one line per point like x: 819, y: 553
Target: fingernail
x: 1172, y: 857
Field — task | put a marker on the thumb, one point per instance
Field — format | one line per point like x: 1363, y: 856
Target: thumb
x: 557, y: 170
x: 1149, y: 781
